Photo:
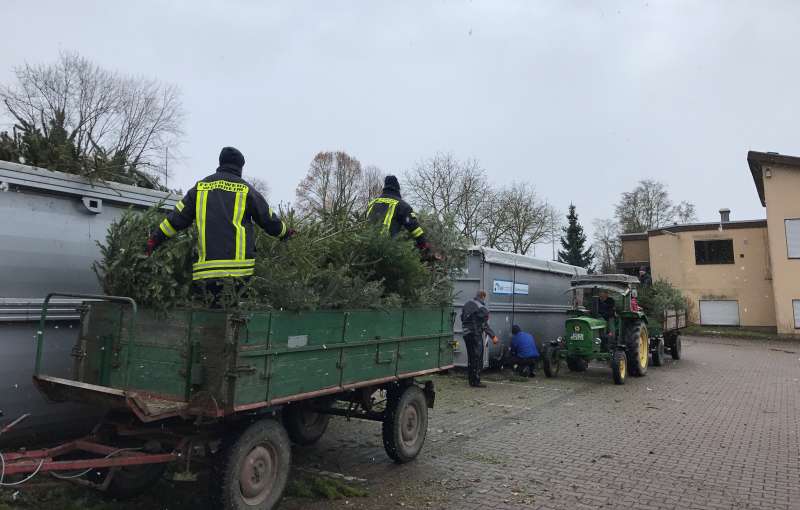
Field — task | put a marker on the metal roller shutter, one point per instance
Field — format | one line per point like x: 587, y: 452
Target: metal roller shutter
x: 719, y: 313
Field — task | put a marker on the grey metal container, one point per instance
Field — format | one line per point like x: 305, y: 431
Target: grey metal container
x: 50, y: 226
x: 520, y: 290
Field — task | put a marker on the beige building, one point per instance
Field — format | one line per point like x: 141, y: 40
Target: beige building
x: 743, y: 273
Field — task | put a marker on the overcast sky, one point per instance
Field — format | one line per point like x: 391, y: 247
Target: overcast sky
x: 580, y: 98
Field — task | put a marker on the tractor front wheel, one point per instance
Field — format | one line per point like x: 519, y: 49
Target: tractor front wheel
x: 638, y: 345
x: 619, y: 367
x: 551, y: 363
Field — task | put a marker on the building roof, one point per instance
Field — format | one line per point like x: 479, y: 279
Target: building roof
x: 756, y: 160
x: 635, y: 236
x: 692, y: 227
x: 516, y: 260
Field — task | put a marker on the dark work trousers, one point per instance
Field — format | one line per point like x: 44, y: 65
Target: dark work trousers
x: 523, y: 363
x: 474, y: 344
x: 213, y: 291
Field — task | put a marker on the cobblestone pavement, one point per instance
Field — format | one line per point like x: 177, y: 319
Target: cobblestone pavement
x: 719, y: 429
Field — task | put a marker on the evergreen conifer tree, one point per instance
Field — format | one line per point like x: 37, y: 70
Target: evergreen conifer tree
x: 573, y: 244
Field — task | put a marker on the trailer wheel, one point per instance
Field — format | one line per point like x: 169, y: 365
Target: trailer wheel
x: 619, y: 367
x: 551, y: 363
x: 576, y: 364
x: 675, y: 350
x: 638, y: 343
x: 252, y: 469
x: 658, y: 353
x: 304, y: 425
x: 131, y: 481
x: 405, y: 424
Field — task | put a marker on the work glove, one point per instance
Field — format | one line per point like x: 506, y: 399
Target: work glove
x: 290, y: 233
x: 495, y: 340
x: 152, y: 244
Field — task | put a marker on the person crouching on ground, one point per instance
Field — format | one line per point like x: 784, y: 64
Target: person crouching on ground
x: 523, y: 351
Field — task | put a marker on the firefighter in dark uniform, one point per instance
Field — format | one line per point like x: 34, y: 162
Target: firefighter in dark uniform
x: 224, y: 207
x: 475, y: 322
x: 395, y: 215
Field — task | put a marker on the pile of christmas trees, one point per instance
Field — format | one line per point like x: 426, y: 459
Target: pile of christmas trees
x: 327, y: 265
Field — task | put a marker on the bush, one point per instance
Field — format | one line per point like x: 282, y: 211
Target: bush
x: 325, y: 266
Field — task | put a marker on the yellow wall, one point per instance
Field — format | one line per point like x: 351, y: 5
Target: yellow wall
x: 782, y: 195
x: 636, y: 250
x: 747, y: 280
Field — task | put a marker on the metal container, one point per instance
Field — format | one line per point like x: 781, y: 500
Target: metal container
x: 520, y: 290
x: 51, y: 224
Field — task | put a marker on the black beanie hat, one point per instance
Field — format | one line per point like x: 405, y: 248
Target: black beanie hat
x: 391, y: 183
x: 231, y: 156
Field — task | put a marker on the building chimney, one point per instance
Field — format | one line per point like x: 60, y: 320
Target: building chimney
x: 724, y: 215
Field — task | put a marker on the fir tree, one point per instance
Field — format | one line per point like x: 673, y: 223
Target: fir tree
x: 573, y: 242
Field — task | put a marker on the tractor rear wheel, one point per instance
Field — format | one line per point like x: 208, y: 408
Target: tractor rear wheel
x: 619, y: 367
x: 576, y: 364
x: 551, y: 363
x: 638, y: 344
x: 658, y: 353
x: 675, y: 350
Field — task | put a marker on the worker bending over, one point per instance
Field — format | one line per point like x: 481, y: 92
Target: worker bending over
x: 224, y: 207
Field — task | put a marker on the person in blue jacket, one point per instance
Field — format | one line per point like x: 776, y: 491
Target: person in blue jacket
x: 523, y: 351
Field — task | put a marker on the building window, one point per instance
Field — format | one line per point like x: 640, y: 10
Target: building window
x: 713, y: 252
x: 796, y: 305
x: 793, y: 238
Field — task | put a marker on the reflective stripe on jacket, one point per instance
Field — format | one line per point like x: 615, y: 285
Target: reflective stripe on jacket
x: 395, y: 214
x: 224, y: 207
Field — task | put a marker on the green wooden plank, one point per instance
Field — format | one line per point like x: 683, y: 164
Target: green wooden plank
x: 293, y: 373
x: 365, y: 362
x: 370, y: 324
x: 309, y: 328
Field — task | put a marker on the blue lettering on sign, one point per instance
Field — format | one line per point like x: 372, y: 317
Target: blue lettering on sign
x: 507, y: 287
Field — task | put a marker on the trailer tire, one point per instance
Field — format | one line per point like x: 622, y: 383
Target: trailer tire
x: 405, y: 423
x: 551, y: 363
x: 619, y: 367
x: 576, y: 364
x: 675, y: 350
x: 132, y: 481
x: 658, y: 353
x: 638, y: 348
x: 304, y: 425
x: 252, y: 468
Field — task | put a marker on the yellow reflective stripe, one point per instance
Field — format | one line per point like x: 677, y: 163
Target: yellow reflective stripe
x: 233, y: 187
x: 167, y: 228
x: 222, y: 264
x: 417, y: 232
x: 200, y: 218
x: 283, y: 229
x: 387, y: 220
x: 222, y: 273
x: 179, y: 206
x: 369, y: 207
x: 238, y: 217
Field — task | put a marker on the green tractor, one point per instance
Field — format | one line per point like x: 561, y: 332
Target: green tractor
x: 608, y: 328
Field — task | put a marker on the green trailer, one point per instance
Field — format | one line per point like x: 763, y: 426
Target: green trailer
x: 236, y: 387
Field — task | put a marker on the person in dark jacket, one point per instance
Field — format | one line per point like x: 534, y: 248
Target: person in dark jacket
x: 394, y: 213
x: 224, y: 207
x: 523, y: 351
x: 475, y: 322
x: 644, y: 277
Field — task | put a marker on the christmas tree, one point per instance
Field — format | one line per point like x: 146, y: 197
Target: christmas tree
x: 573, y: 244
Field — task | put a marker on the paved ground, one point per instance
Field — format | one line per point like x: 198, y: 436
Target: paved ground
x: 718, y: 429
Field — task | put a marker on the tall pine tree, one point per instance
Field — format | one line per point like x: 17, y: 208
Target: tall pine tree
x: 573, y: 242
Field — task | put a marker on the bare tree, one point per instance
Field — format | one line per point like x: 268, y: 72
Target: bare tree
x: 527, y: 218
x: 453, y: 189
x: 607, y: 246
x: 106, y: 118
x: 260, y: 185
x: 495, y: 226
x: 648, y: 206
x: 370, y: 184
x: 331, y: 189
